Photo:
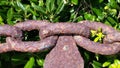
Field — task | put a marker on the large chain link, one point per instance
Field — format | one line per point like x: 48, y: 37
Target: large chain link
x: 62, y: 35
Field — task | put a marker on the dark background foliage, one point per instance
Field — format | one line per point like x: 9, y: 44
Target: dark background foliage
x: 13, y: 11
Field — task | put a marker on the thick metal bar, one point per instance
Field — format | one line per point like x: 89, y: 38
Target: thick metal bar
x: 32, y: 46
x: 4, y: 47
x: 31, y: 24
x: 64, y: 55
x: 11, y: 31
x: 96, y: 25
x: 112, y: 38
x: 103, y: 49
x: 64, y: 29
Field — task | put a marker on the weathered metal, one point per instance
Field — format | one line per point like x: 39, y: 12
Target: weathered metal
x: 65, y: 36
x: 64, y: 55
x: 65, y: 29
x: 103, y: 49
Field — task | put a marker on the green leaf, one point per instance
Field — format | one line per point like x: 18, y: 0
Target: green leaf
x: 73, y: 16
x: 96, y: 39
x: 111, y: 20
x: 10, y: 16
x: 30, y: 63
x: 105, y: 64
x: 88, y: 16
x: 113, y: 66
x: 100, y: 1
x: 118, y: 1
x: 80, y: 18
x: 1, y: 21
x: 96, y: 64
x: 38, y: 8
x: 113, y: 4
x: 50, y: 5
x: 87, y: 56
x: 107, y: 22
x: 41, y: 3
x: 113, y: 12
x: 99, y: 13
x: 60, y: 7
x: 40, y: 62
x: 93, y: 33
x: 19, y: 4
x: 75, y: 2
x: 116, y: 61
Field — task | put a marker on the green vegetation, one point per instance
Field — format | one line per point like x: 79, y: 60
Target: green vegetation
x: 106, y: 11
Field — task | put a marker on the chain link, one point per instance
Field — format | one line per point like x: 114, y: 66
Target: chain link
x: 47, y: 29
x: 62, y: 35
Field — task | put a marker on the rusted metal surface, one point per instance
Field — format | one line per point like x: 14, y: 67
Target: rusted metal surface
x: 31, y: 24
x: 5, y: 47
x: 10, y: 31
x: 98, y: 48
x: 64, y: 55
x: 96, y: 25
x: 64, y: 29
x: 32, y: 46
x: 111, y: 38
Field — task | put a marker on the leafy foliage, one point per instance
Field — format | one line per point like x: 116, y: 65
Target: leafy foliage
x: 106, y: 11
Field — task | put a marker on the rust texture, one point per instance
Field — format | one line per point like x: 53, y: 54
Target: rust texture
x: 98, y: 48
x: 64, y: 29
x: 31, y: 24
x: 96, y: 25
x: 64, y: 55
x: 5, y: 48
x: 111, y: 38
x: 62, y: 39
x: 33, y: 46
x: 10, y: 31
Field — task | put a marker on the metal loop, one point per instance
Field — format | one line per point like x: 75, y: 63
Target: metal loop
x: 49, y: 32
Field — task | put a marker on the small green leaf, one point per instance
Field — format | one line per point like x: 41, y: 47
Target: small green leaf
x: 41, y: 3
x: 10, y: 16
x: 118, y: 66
x: 100, y: 1
x: 80, y: 18
x: 116, y: 61
x: 19, y: 4
x: 60, y: 7
x: 113, y: 12
x: 93, y: 33
x: 96, y: 64
x: 40, y: 62
x: 105, y: 64
x: 107, y: 22
x: 111, y: 20
x: 88, y: 16
x: 1, y: 21
x: 75, y: 2
x: 30, y: 63
x: 118, y: 1
x: 73, y: 16
x: 113, y: 4
x: 106, y: 7
x: 96, y: 39
x: 38, y: 8
x: 113, y: 66
x: 50, y: 6
x: 99, y: 13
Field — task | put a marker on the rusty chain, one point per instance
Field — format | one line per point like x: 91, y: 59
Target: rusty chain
x: 65, y: 36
